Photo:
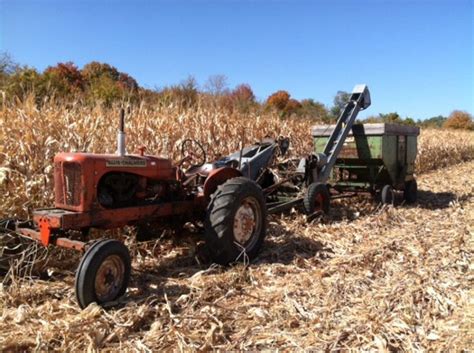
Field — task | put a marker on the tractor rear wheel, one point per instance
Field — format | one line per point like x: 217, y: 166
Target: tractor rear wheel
x: 386, y: 195
x: 235, y: 222
x: 316, y: 198
x: 103, y: 274
x: 410, y: 194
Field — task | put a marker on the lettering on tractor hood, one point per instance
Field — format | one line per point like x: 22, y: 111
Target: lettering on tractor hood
x: 125, y: 162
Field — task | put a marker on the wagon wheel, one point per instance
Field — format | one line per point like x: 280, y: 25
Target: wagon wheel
x: 387, y: 195
x: 316, y: 198
x: 103, y: 274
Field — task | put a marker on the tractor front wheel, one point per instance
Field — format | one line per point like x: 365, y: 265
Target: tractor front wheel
x: 235, y: 221
x: 103, y: 274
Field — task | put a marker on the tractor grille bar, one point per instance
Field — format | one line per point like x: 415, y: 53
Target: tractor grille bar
x: 67, y: 178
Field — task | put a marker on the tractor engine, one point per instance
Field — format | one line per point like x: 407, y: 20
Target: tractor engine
x: 85, y: 182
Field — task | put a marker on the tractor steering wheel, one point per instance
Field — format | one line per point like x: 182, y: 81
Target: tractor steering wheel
x: 193, y: 154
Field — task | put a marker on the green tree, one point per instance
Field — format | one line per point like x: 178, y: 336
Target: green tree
x: 7, y: 65
x: 185, y: 94
x: 24, y: 81
x: 393, y: 118
x: 435, y: 121
x: 95, y: 70
x: 339, y: 103
x: 314, y: 110
x: 104, y: 82
x: 105, y: 89
x: 389, y: 118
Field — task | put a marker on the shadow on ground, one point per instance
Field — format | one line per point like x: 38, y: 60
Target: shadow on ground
x: 439, y: 200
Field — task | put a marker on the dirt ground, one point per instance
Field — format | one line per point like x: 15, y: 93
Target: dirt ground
x: 365, y: 276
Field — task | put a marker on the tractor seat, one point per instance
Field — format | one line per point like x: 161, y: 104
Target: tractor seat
x: 206, y: 168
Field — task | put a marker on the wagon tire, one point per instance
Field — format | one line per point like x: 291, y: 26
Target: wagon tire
x: 386, y: 195
x: 410, y: 193
x: 103, y: 273
x: 316, y: 198
x: 235, y: 223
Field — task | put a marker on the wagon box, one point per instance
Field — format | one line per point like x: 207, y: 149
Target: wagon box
x: 373, y: 155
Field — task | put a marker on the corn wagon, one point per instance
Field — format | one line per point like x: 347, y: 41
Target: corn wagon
x: 378, y: 158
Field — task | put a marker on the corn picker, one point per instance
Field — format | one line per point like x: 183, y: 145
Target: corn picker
x: 231, y: 197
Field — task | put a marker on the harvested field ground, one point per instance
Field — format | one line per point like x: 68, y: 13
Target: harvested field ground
x: 363, y: 277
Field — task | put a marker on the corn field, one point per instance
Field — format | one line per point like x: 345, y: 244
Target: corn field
x: 364, y: 277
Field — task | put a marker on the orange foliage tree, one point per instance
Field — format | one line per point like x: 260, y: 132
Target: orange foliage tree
x: 282, y: 101
x: 242, y: 97
x: 64, y: 79
x: 292, y: 106
x: 278, y: 100
x: 459, y: 120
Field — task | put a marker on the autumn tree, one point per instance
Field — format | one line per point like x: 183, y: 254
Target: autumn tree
x: 241, y: 98
x: 292, y: 106
x: 459, y: 120
x: 64, y: 79
x: 95, y: 70
x: 243, y: 92
x: 127, y: 82
x: 106, y: 83
x: 278, y: 100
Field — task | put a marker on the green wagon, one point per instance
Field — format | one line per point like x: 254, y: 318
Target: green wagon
x: 377, y: 158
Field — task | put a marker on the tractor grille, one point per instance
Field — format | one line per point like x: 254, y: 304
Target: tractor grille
x: 67, y: 178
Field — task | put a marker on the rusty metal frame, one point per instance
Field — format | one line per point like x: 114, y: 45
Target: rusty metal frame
x: 51, y: 240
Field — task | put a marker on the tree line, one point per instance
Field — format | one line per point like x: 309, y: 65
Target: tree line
x: 101, y: 83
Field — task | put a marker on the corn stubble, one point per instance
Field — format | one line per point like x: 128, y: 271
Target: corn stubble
x: 365, y: 276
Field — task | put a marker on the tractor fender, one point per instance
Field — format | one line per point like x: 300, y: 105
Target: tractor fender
x: 218, y: 177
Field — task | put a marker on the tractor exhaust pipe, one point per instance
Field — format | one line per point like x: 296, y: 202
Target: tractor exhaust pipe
x: 121, y: 134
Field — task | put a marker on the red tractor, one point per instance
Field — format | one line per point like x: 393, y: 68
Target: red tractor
x: 107, y: 191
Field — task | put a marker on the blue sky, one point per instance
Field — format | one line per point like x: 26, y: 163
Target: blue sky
x: 416, y: 56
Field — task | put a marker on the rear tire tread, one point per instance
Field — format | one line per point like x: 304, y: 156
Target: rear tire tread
x: 220, y: 219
